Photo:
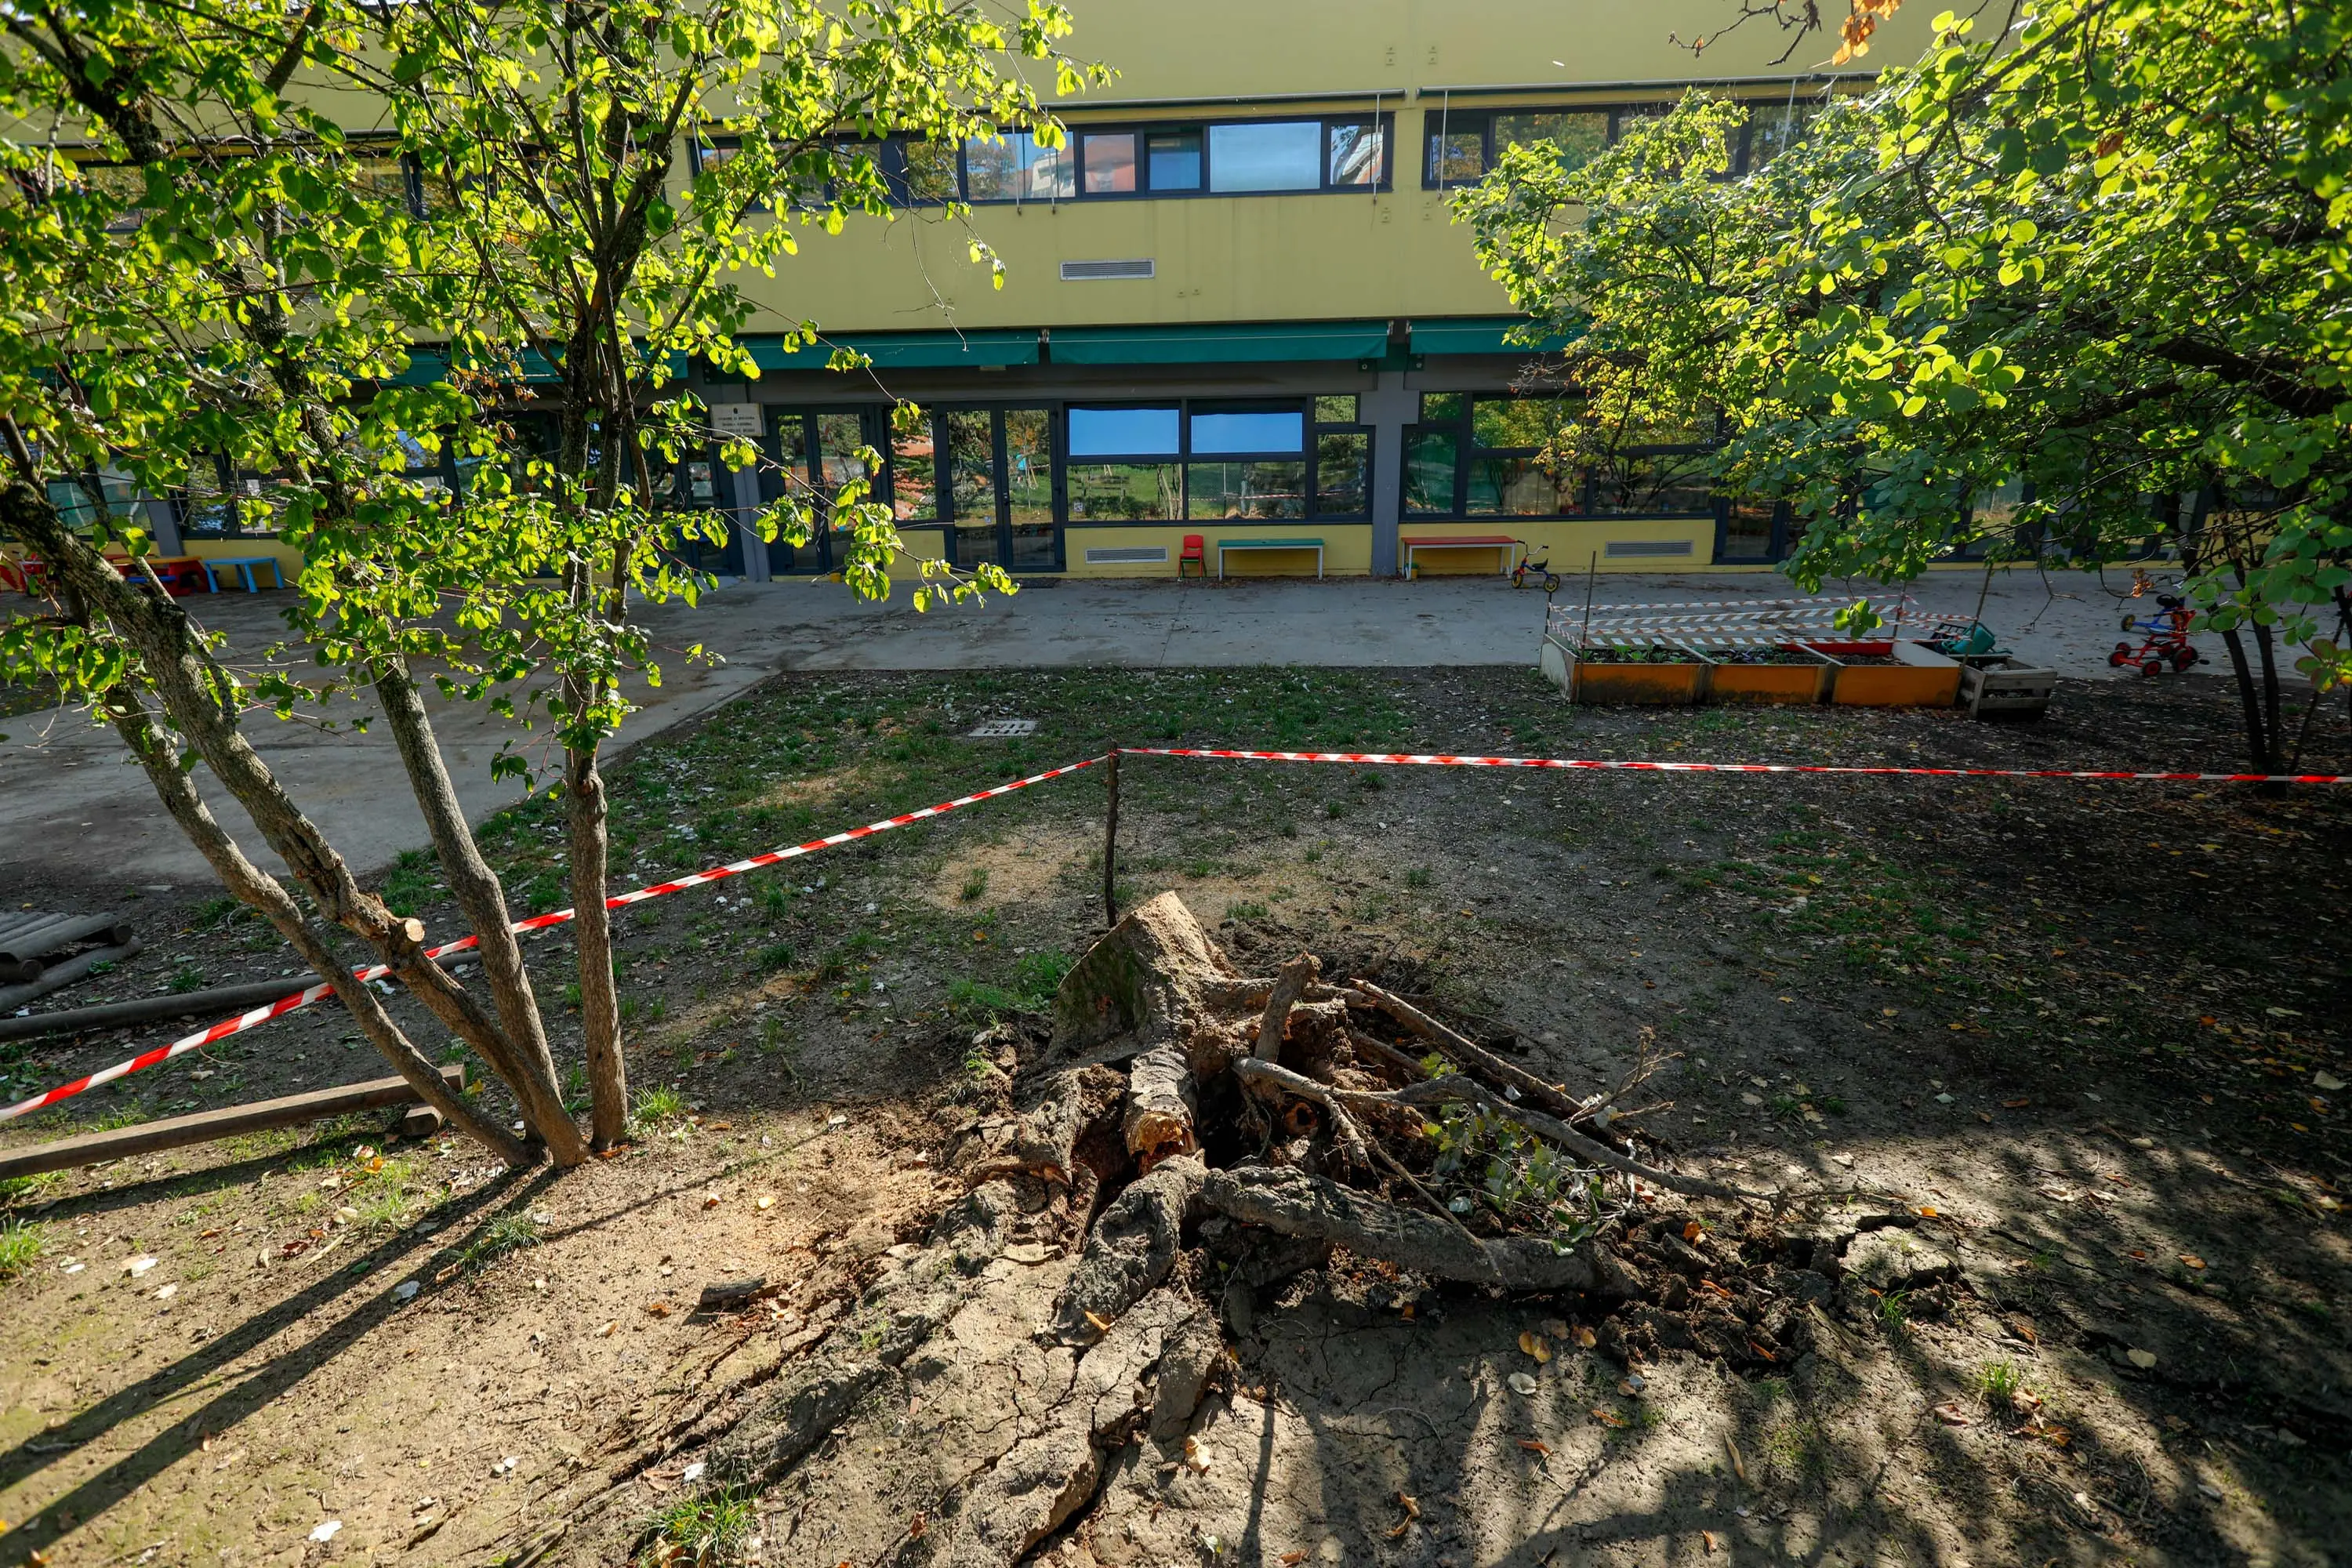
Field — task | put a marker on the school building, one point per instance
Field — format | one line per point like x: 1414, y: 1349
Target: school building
x: 1236, y: 308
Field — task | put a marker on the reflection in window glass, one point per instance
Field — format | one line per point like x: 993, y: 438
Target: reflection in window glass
x: 383, y: 180
x: 792, y: 450
x: 914, y: 474
x: 1174, y: 160
x: 1517, y: 421
x: 1747, y: 530
x: 1359, y: 155
x: 1016, y: 167
x: 1282, y: 431
x: 1521, y: 487
x: 1775, y: 128
x: 1123, y: 432
x: 1118, y: 492
x: 1340, y: 410
x: 1272, y: 155
x: 1457, y: 157
x: 1028, y: 467
x: 1578, y: 134
x: 1213, y: 491
x: 1429, y: 459
x: 204, y: 505
x: 1342, y: 473
x: 1111, y: 163
x: 76, y: 505
x: 1994, y: 509
x: 838, y: 436
x: 1668, y: 484
x: 1441, y: 407
x: 931, y: 170
x: 972, y: 465
x: 701, y: 485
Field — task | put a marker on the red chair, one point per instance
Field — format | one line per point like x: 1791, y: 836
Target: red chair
x: 1195, y: 553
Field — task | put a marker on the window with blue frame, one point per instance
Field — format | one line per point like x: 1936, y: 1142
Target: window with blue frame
x: 1459, y: 146
x: 1236, y: 157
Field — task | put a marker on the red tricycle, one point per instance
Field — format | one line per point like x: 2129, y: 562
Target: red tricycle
x: 2164, y: 638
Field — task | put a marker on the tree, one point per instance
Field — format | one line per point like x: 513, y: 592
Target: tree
x: 2102, y: 253
x: 234, y: 276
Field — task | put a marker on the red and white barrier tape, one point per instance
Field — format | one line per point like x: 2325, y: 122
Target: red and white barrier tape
x: 285, y: 1005
x: 1594, y: 765
x: 304, y: 998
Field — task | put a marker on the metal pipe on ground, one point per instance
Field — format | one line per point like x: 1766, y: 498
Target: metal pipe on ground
x: 60, y: 975
x: 34, y: 942
x: 205, y: 1126
x: 147, y: 1009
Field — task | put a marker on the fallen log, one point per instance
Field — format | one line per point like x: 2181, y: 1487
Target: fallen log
x: 59, y: 976
x: 1292, y: 1202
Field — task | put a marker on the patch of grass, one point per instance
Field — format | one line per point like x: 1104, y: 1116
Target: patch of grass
x: 214, y: 911
x: 186, y: 978
x: 2000, y: 1382
x: 656, y: 1106
x: 1893, y: 1310
x: 1417, y: 878
x: 707, y: 1532
x: 21, y: 1241
x: 975, y: 884
x: 409, y: 883
x: 1798, y: 1447
x: 775, y: 956
x: 388, y: 1210
x: 1245, y: 910
x: 23, y: 1189
x: 508, y: 1233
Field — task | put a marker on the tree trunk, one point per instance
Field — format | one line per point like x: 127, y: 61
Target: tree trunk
x: 194, y: 691
x: 475, y: 887
x: 587, y: 810
x: 2261, y: 742
x: 159, y: 756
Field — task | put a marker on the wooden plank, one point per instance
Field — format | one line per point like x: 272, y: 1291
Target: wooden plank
x: 205, y: 1126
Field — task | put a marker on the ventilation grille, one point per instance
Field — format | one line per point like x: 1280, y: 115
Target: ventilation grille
x: 1088, y: 271
x: 1623, y: 547
x: 1126, y: 555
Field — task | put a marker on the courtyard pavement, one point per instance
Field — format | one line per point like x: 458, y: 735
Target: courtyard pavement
x: 74, y: 810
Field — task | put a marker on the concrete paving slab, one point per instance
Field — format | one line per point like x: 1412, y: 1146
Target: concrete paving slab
x: 73, y: 808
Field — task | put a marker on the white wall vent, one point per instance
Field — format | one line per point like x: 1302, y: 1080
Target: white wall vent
x: 1618, y: 548
x: 1091, y: 271
x: 1126, y: 555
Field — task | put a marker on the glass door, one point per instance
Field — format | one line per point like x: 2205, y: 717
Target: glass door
x: 973, y: 490
x: 1029, y: 542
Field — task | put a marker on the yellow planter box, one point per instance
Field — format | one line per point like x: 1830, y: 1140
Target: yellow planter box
x: 1677, y: 685
x: 1770, y: 683
x: 1921, y: 677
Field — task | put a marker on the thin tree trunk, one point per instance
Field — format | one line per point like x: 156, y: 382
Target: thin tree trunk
x: 475, y: 887
x: 2259, y: 740
x: 159, y: 755
x: 588, y: 808
x: 192, y: 686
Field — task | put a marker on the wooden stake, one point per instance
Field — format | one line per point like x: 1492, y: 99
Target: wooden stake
x: 1110, y: 848
x: 205, y: 1126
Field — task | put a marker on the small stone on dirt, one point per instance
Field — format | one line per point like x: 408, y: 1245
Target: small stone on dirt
x: 1895, y: 1261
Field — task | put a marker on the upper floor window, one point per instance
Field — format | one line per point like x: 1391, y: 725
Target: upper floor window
x: 1242, y: 157
x: 1461, y: 145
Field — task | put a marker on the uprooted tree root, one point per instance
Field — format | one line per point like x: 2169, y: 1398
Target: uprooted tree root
x: 1197, y: 1135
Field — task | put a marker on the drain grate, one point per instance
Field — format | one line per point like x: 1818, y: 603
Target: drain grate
x: 1004, y: 728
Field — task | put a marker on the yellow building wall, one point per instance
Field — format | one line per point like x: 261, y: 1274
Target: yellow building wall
x: 1571, y: 545
x: 1323, y: 256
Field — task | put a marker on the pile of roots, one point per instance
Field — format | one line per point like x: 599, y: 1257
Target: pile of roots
x: 1324, y: 1112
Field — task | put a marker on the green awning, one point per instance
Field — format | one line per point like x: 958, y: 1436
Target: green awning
x: 995, y: 346
x: 1221, y: 344
x: 426, y: 367
x: 1476, y: 335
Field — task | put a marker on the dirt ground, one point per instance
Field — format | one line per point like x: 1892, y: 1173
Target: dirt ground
x: 2058, y: 1067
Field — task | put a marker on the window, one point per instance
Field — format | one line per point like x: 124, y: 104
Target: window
x: 930, y: 170
x: 392, y: 181
x: 1483, y: 455
x: 1359, y: 155
x: 1266, y: 156
x: 1016, y: 167
x: 1123, y: 432
x: 1343, y: 458
x: 1749, y: 529
x: 1109, y: 162
x: 77, y: 500
x: 1459, y: 146
x: 1673, y: 481
x: 1123, y: 492
x: 914, y: 474
x: 1248, y: 432
x: 1174, y: 160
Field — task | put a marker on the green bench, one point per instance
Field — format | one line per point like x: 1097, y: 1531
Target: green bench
x: 1314, y: 545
